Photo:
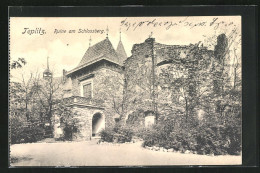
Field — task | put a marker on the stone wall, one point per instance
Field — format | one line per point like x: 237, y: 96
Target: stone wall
x: 139, y: 73
x: 108, y: 84
x: 141, y: 82
x: 97, y: 70
x: 84, y: 116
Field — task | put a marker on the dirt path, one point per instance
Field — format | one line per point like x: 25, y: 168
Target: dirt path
x: 92, y: 154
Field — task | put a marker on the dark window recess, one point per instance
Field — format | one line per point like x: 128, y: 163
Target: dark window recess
x: 116, y: 120
x: 87, y: 90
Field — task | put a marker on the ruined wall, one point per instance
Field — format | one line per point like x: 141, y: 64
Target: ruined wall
x: 167, y: 55
x: 178, y: 62
x: 139, y: 72
x: 138, y: 75
x: 174, y: 58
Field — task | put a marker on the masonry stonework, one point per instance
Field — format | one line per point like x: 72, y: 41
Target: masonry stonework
x: 138, y: 80
x: 138, y: 74
x: 148, y: 88
x: 101, y: 66
x: 84, y: 115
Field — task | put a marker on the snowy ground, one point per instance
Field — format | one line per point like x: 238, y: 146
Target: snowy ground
x: 91, y: 154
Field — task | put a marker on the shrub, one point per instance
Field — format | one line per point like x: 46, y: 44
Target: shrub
x: 118, y: 134
x: 23, y: 131
x: 157, y: 135
x: 209, y: 141
x: 125, y: 134
x: 16, y: 123
x: 68, y: 123
x: 68, y: 132
x: 33, y: 133
x: 202, y: 139
x: 150, y: 137
x: 141, y: 132
x: 107, y: 135
x: 219, y: 140
x: 27, y: 134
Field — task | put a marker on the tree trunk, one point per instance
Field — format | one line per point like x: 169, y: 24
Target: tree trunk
x: 235, y: 78
x: 186, y: 109
x: 26, y: 112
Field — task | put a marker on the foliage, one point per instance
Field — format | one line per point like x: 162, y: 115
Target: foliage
x: 135, y: 118
x: 24, y: 133
x: 67, y: 120
x: 201, y: 81
x: 68, y: 131
x: 32, y: 100
x: 186, y: 79
x: 203, y: 138
x: 107, y: 135
x: 49, y: 94
x: 17, y: 63
x: 124, y: 133
x: 160, y: 133
x: 118, y: 134
x: 25, y: 120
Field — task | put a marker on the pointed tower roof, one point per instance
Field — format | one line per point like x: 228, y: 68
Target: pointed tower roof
x: 120, y: 50
x: 47, y: 73
x: 103, y: 49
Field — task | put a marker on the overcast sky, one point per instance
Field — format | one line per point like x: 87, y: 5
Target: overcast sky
x: 66, y: 49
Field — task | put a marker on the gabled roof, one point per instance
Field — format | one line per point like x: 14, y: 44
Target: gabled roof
x: 102, y: 49
x: 121, y: 52
x: 100, y: 52
x: 94, y: 62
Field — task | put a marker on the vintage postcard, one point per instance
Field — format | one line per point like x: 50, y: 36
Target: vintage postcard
x: 125, y: 91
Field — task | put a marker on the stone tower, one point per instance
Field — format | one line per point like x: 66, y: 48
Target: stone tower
x: 94, y: 84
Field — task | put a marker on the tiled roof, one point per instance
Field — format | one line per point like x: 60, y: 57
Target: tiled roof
x: 102, y: 49
x: 91, y: 63
x: 121, y: 52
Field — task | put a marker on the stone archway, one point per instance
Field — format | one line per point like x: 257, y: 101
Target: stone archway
x: 98, y: 123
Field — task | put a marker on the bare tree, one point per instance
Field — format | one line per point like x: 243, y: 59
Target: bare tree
x: 49, y: 93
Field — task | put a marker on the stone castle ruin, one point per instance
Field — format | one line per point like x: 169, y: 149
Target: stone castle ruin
x: 106, y: 78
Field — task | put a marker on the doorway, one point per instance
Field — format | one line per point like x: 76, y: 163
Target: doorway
x: 98, y: 123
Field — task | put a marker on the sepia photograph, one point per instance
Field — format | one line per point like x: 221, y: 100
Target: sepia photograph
x: 125, y: 91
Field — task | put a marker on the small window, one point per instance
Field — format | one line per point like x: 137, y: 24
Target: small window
x: 87, y: 90
x: 116, y: 120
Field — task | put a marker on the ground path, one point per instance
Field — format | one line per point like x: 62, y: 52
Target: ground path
x: 91, y: 154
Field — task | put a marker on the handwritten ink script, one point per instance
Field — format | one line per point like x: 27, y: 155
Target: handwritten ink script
x: 167, y: 24
x: 130, y: 24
